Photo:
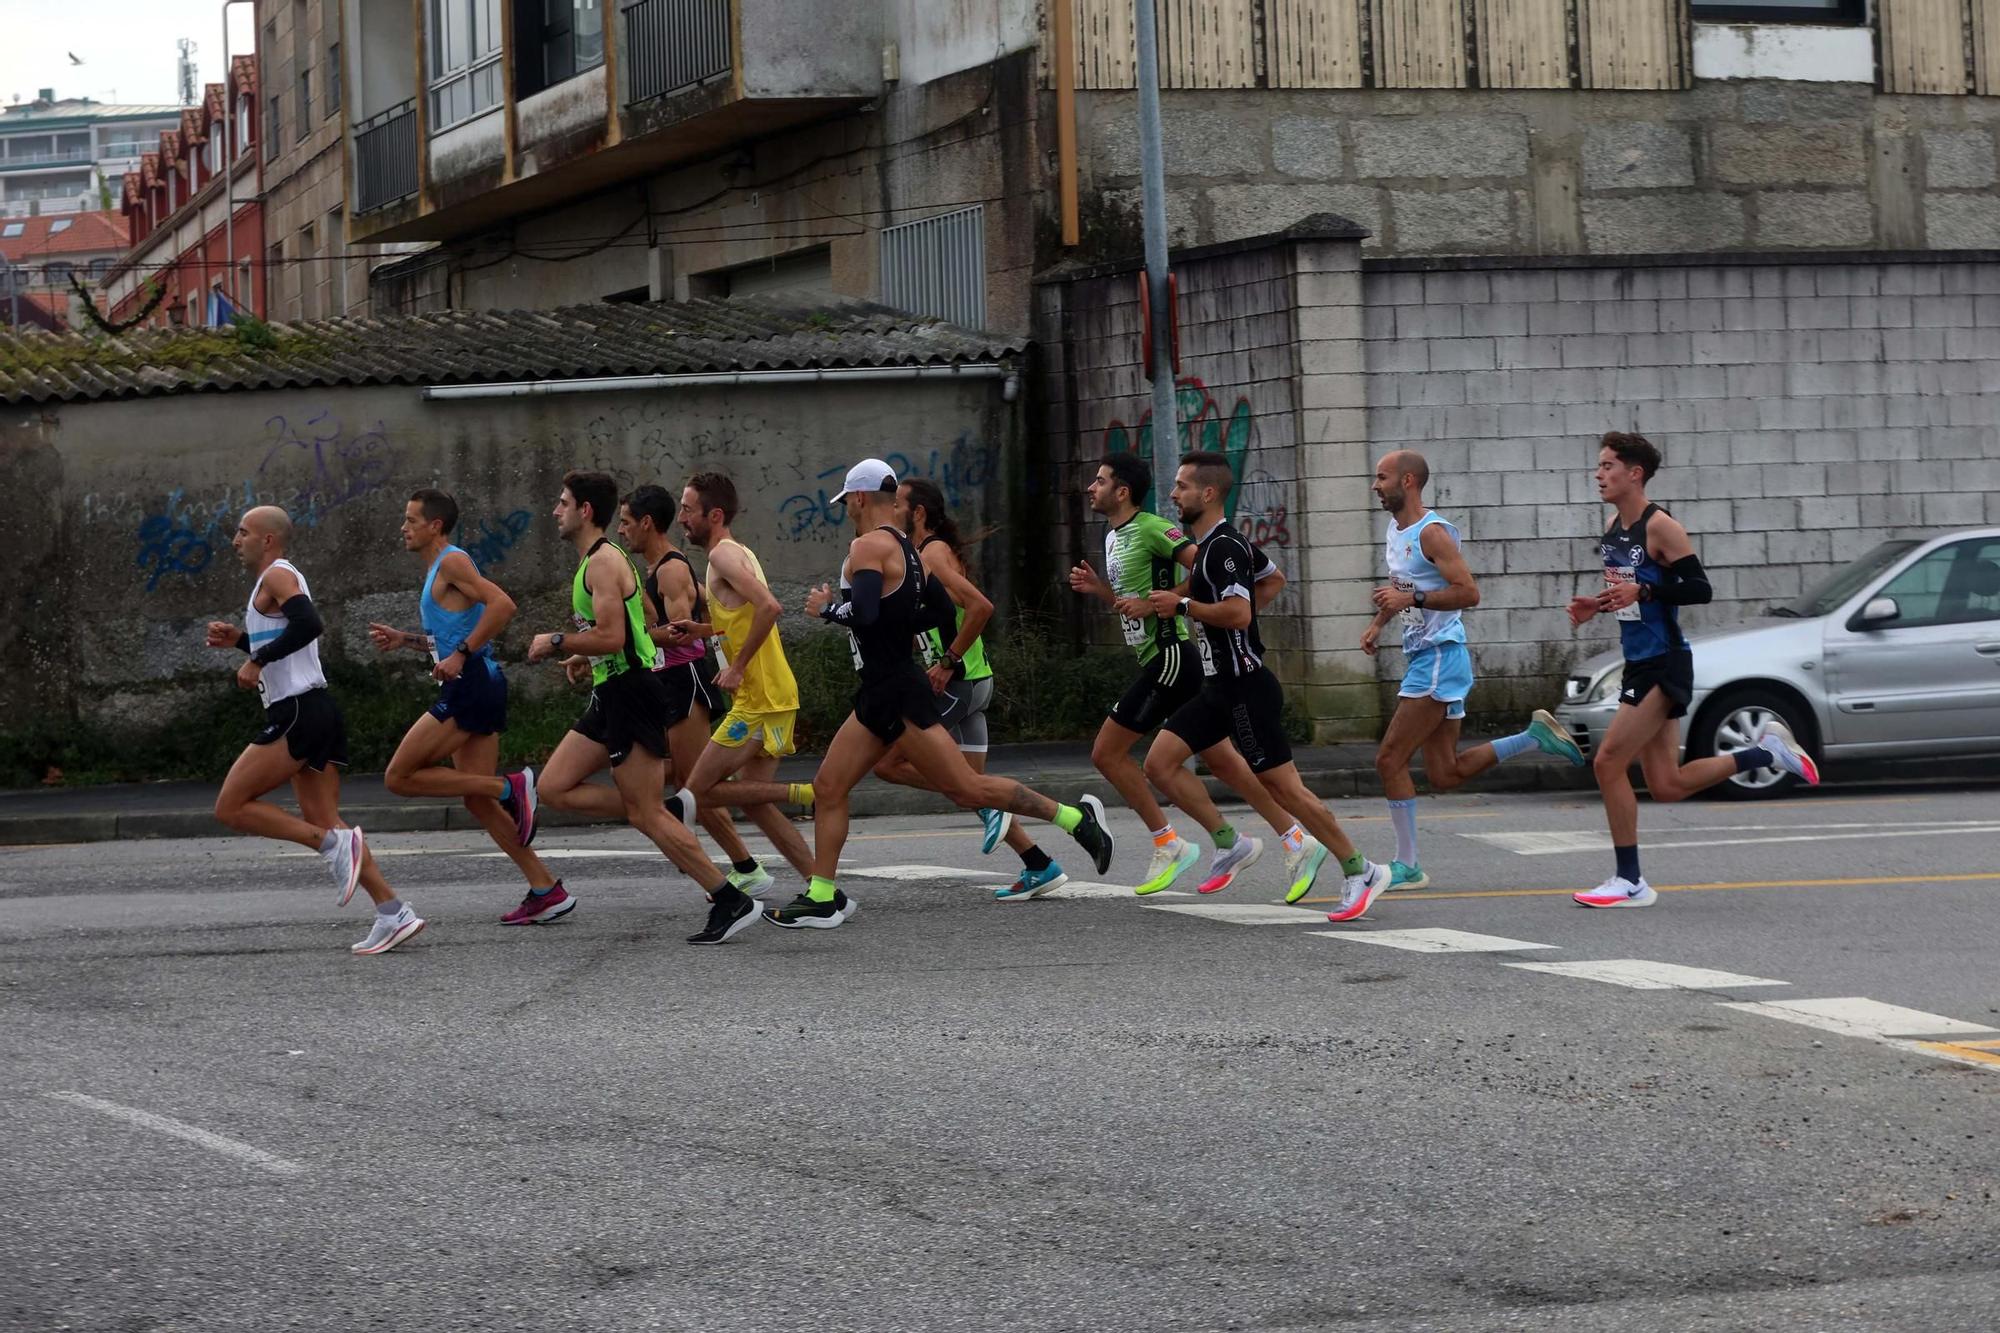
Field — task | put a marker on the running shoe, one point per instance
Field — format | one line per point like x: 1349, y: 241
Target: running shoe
x: 1230, y: 862
x: 1784, y: 747
x: 845, y: 905
x: 344, y: 859
x: 997, y: 823
x: 537, y: 909
x: 1032, y: 884
x: 1551, y: 738
x: 1302, y: 868
x: 390, y: 931
x: 1092, y: 835
x: 521, y: 796
x: 1361, y: 892
x: 803, y: 912
x: 1406, y: 877
x: 1616, y: 892
x: 681, y: 806
x: 1169, y: 862
x: 752, y: 882
x: 732, y: 913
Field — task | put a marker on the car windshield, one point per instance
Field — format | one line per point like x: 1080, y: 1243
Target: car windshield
x: 1844, y: 582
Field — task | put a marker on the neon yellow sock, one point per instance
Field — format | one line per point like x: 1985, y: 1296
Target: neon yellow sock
x: 1067, y: 818
x: 801, y: 793
x: 820, y: 890
x: 1225, y: 838
x: 1353, y: 865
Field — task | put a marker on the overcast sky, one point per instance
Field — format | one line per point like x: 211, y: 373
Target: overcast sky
x: 128, y: 47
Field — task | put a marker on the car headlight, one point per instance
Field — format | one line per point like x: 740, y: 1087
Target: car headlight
x: 1594, y: 689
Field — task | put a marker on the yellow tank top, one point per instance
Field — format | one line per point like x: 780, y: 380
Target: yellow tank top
x: 768, y: 683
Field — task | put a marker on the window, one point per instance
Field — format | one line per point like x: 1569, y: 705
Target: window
x: 271, y: 129
x: 937, y: 266
x: 99, y: 269
x: 242, y: 122
x: 211, y: 153
x: 274, y: 281
x: 336, y: 244
x: 1953, y: 585
x: 308, y: 265
x: 464, y: 60
x: 58, y: 274
x: 13, y: 229
x: 59, y: 226
x: 334, y: 78
x: 1848, y: 12
x: 305, y: 103
x: 555, y: 40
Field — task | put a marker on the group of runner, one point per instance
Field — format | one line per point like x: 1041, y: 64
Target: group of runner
x: 661, y: 650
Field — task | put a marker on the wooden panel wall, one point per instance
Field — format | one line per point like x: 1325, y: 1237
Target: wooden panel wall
x: 1634, y: 44
x: 1986, y: 47
x: 1203, y: 43
x: 1419, y: 43
x: 1315, y: 43
x: 1523, y: 43
x: 1921, y: 45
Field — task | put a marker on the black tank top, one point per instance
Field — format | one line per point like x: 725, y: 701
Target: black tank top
x: 888, y: 646
x: 700, y: 612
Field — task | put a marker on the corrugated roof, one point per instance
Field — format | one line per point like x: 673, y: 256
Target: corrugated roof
x: 465, y: 347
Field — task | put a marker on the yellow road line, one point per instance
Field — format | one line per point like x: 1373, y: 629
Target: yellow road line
x: 1421, y: 895
x: 1984, y: 1052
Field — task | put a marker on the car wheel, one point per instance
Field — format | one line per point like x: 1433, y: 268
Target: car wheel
x: 1732, y: 723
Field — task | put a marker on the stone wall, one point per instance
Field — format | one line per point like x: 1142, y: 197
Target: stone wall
x: 119, y: 513
x: 1726, y: 165
x: 1805, y: 412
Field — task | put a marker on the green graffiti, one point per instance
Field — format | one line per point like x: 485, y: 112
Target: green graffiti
x: 1203, y: 426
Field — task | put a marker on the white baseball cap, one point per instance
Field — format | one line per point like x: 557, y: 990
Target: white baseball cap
x: 870, y: 474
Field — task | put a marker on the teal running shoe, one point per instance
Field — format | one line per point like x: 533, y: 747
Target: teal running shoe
x: 1032, y: 884
x: 997, y: 823
x: 1550, y: 738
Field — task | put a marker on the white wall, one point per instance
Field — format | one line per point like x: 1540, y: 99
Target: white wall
x: 940, y: 37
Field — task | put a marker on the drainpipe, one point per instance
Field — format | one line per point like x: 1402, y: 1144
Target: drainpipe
x: 981, y: 370
x: 1065, y: 57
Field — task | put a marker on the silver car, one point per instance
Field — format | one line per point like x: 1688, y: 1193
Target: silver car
x: 1894, y: 656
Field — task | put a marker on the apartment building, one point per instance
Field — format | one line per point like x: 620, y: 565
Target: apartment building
x: 39, y: 258
x: 68, y: 155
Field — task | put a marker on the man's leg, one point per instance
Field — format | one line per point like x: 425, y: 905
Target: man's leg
x: 638, y: 780
x: 853, y: 752
x: 713, y: 780
x: 1416, y: 722
x: 686, y: 742
x: 417, y: 768
x: 772, y: 822
x: 935, y: 755
x: 1111, y: 754
x: 1633, y: 729
x: 319, y: 802
x: 564, y: 781
x: 479, y: 756
x: 258, y: 771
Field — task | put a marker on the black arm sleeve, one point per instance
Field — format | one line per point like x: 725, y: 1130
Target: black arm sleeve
x: 302, y: 626
x: 1689, y: 585
x: 864, y: 604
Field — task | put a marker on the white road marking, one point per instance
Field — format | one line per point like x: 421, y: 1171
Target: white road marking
x: 1084, y: 888
x: 228, y: 1147
x: 1546, y: 843
x: 1244, y: 914
x: 1642, y: 974
x: 1858, y: 1016
x: 576, y: 854
x: 1433, y: 940
x: 924, y: 873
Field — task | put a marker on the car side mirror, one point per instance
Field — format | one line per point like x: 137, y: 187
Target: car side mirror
x: 1878, y: 612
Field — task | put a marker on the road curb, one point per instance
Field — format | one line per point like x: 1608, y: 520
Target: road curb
x: 871, y: 798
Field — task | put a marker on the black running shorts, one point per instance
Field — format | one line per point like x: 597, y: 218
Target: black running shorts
x: 311, y: 726
x: 476, y: 701
x: 1672, y: 674
x: 688, y: 688
x: 1248, y: 711
x: 628, y: 709
x: 902, y: 698
x: 1171, y: 679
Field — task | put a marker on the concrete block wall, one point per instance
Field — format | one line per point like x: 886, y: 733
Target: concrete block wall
x: 1806, y: 411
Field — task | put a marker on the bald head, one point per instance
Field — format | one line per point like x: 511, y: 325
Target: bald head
x: 1399, y: 483
x: 1408, y: 463
x: 269, y: 521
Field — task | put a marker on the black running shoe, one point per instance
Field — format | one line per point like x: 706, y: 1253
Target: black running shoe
x: 733, y: 912
x: 1092, y: 835
x: 803, y: 913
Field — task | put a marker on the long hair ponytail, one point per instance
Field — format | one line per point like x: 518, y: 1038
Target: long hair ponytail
x: 924, y: 493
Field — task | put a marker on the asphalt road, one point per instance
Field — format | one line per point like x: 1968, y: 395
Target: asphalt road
x: 1067, y: 1114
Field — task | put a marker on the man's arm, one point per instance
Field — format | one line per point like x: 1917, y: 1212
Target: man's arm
x: 1227, y: 570
x: 736, y: 571
x: 607, y: 608
x: 302, y: 624
x: 1687, y: 582
x: 496, y: 612
x: 1460, y: 592
x: 977, y: 607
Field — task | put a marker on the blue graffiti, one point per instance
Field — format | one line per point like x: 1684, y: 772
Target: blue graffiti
x: 961, y: 472
x: 169, y: 546
x: 490, y: 547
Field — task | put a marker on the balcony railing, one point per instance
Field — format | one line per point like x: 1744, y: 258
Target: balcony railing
x: 675, y: 44
x: 385, y: 158
x: 48, y: 205
x: 44, y: 157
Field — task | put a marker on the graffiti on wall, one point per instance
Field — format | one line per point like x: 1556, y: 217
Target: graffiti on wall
x: 1256, y: 505
x: 962, y: 470
x: 489, y: 545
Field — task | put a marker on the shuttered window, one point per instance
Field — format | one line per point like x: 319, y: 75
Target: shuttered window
x: 937, y: 266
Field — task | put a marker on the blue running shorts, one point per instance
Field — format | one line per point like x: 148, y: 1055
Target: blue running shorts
x: 1442, y: 672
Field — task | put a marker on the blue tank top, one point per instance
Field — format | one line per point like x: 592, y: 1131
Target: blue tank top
x: 447, y: 629
x: 1645, y: 629
x: 1412, y: 570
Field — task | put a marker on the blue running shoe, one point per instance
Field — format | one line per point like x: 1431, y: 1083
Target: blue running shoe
x: 1032, y: 884
x: 1406, y: 877
x: 1551, y: 737
x: 997, y: 823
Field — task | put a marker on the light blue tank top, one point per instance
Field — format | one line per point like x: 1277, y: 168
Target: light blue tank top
x: 447, y: 629
x: 1410, y: 568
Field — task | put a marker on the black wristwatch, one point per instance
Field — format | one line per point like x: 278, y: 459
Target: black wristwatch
x: 1418, y: 598
x: 555, y: 640
x: 953, y: 660
x: 1186, y: 606
x: 463, y: 647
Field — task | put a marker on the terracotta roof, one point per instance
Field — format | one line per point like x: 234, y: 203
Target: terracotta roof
x: 465, y: 347
x: 38, y: 310
x: 86, y: 233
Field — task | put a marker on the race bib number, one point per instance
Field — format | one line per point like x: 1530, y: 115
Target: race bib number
x: 854, y: 648
x: 1411, y: 617
x: 1133, y: 630
x: 431, y: 646
x: 927, y: 651
x: 1617, y: 574
x: 1206, y: 653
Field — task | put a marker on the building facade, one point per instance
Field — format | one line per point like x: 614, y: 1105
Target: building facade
x: 70, y: 155
x: 197, y: 226
x: 39, y: 257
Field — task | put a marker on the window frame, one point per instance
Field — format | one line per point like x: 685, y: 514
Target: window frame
x: 335, y: 76
x: 1951, y: 554
x: 1836, y: 14
x: 442, y: 80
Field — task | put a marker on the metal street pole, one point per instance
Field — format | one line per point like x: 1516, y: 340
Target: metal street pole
x: 1153, y: 182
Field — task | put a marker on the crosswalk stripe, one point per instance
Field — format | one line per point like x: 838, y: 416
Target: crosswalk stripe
x: 1644, y: 974
x: 1433, y: 940
x: 1859, y: 1016
x: 1244, y: 914
x: 1540, y: 843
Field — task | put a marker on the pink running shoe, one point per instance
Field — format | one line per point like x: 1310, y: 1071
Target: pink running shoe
x: 538, y: 909
x: 521, y: 792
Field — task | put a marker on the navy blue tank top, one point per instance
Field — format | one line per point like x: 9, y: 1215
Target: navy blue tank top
x: 1650, y: 628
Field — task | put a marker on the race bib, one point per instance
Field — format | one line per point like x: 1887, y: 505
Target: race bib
x: 1411, y: 617
x: 854, y: 648
x: 1133, y: 630
x: 1206, y: 654
x: 1616, y: 574
x: 927, y: 651
x: 431, y: 646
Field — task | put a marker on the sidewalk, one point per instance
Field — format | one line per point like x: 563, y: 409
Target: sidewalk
x: 183, y: 809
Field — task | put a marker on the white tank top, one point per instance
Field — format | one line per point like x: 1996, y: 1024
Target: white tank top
x: 291, y: 675
x: 1410, y: 569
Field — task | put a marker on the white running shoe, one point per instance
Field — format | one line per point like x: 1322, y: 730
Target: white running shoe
x: 1361, y: 892
x: 344, y: 860
x: 1229, y: 862
x: 1616, y: 892
x: 1777, y: 738
x: 752, y: 882
x: 681, y: 806
x: 390, y: 931
x: 1168, y: 864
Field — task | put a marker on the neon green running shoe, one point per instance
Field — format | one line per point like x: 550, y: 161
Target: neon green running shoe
x: 1550, y: 738
x: 1302, y: 867
x: 1169, y: 862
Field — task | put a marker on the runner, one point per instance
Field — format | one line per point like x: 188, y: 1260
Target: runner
x: 462, y: 613
x: 884, y: 605
x: 674, y: 598
x: 1144, y: 554
x: 962, y: 679
x: 1236, y: 722
x: 1650, y: 572
x: 1429, y: 587
x: 282, y: 629
x: 624, y: 728
x: 740, y: 761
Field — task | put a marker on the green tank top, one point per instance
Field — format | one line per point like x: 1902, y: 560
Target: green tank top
x: 637, y: 654
x: 932, y: 644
